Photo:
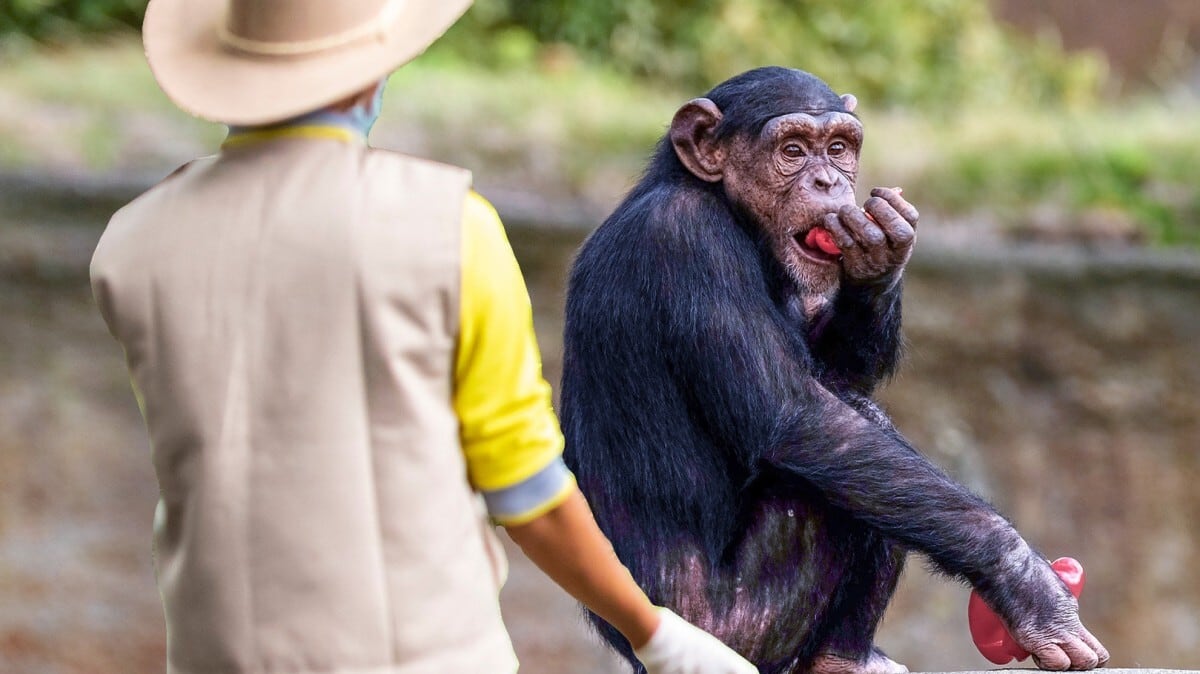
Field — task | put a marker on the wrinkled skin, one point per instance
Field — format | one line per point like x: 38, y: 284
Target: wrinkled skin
x: 788, y: 535
x: 798, y: 173
x: 875, y: 663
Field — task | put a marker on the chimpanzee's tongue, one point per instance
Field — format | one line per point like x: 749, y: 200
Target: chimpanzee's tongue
x: 821, y: 239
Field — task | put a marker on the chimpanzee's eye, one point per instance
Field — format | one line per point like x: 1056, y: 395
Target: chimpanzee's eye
x: 837, y: 148
x: 793, y: 151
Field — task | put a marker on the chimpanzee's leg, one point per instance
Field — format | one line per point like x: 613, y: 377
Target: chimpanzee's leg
x: 849, y: 644
x: 805, y: 591
x: 772, y: 599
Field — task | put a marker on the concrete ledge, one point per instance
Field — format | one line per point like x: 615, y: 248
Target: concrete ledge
x: 1105, y: 671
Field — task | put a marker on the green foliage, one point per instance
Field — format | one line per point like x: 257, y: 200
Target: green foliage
x: 557, y: 132
x: 1135, y: 165
x: 56, y: 20
x: 930, y: 53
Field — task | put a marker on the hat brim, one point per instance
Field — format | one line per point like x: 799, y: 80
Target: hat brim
x: 215, y: 82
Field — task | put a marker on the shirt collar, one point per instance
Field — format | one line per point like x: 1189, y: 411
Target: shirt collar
x: 322, y: 124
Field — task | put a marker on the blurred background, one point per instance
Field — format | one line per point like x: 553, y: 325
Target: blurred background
x: 1052, y: 309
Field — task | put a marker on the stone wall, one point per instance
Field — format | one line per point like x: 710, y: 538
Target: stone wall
x: 1062, y: 385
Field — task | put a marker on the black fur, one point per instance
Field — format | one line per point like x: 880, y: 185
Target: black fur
x: 727, y: 442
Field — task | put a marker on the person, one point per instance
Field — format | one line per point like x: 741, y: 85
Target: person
x: 332, y: 347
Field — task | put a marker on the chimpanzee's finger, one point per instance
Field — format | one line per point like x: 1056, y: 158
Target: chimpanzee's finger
x: 1052, y: 657
x: 905, y: 209
x: 876, y: 253
x: 1082, y: 656
x: 1095, y: 645
x: 865, y: 231
x: 899, y: 232
x: 841, y: 236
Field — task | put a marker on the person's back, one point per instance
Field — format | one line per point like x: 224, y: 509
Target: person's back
x: 302, y: 295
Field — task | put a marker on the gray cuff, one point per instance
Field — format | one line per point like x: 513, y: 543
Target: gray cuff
x: 531, y: 497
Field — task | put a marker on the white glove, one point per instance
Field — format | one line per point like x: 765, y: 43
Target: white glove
x: 677, y: 647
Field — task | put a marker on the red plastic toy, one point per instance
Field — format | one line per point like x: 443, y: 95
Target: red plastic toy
x: 819, y: 237
x: 989, y: 634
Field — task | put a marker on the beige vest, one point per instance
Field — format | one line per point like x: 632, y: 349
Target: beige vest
x: 289, y: 313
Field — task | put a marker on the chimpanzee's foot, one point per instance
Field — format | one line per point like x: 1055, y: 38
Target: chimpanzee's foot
x: 875, y: 663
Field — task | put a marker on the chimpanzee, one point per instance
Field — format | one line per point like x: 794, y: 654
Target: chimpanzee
x: 726, y: 328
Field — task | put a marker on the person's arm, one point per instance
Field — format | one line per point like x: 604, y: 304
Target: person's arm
x: 513, y: 448
x: 569, y: 547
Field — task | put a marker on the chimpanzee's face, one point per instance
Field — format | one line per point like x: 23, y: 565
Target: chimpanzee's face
x: 798, y: 169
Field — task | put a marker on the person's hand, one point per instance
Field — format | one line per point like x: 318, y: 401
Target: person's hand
x: 678, y: 647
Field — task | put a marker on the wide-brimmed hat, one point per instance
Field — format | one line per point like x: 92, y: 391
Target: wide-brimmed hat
x: 249, y: 62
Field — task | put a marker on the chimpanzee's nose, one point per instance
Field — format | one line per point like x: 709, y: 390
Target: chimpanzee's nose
x: 824, y: 178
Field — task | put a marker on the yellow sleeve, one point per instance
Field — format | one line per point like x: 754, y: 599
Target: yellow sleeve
x: 510, y: 434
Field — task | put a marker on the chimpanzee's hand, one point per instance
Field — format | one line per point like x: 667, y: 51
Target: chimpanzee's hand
x: 875, y: 248
x: 1056, y: 638
x: 1063, y: 643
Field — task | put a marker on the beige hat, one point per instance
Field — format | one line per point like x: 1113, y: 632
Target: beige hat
x: 249, y: 62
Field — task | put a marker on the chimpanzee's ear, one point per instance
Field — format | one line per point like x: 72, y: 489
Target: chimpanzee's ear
x: 692, y: 135
x: 850, y: 102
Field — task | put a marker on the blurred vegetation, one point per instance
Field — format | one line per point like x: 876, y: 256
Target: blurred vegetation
x: 566, y: 97
x: 61, y: 20
x: 1115, y: 173
x: 1112, y: 174
x: 904, y: 52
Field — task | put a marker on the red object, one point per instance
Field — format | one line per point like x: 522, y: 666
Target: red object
x: 989, y: 633
x: 820, y: 238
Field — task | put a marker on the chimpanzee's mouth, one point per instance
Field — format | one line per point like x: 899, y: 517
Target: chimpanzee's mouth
x: 810, y: 246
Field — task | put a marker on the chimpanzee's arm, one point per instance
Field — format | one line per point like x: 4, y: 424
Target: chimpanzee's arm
x: 737, y: 363
x: 754, y: 395
x: 877, y: 477
x: 859, y: 345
